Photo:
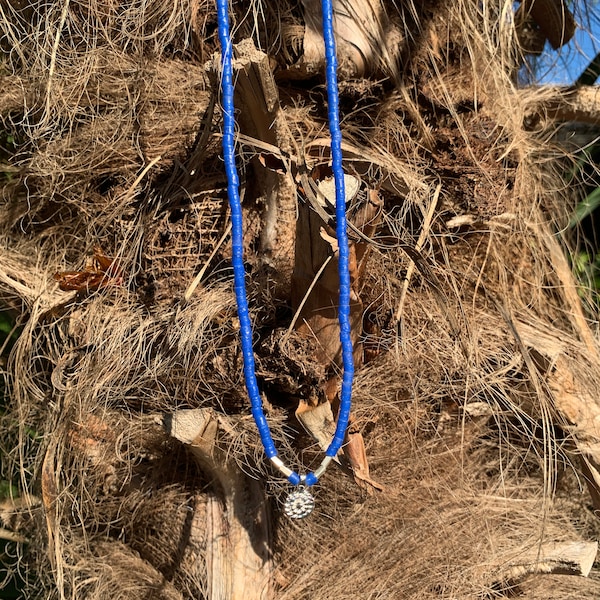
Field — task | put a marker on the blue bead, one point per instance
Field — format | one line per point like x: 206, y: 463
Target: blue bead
x: 310, y: 480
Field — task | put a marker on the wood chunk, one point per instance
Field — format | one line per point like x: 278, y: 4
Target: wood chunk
x: 573, y: 401
x: 261, y: 118
x: 362, y: 39
x: 238, y: 554
x: 560, y: 558
x: 580, y: 104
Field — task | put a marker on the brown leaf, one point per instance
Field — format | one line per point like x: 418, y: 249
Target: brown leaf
x: 355, y: 453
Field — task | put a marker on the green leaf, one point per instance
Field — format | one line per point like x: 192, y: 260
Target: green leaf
x: 8, y: 490
x: 585, y: 208
x: 5, y: 326
x: 581, y: 262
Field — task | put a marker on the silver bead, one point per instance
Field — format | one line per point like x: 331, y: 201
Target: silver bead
x: 299, y: 504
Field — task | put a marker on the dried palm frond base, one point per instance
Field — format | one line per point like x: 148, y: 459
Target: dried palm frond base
x: 472, y: 468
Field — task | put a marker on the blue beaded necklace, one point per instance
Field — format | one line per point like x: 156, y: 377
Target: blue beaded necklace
x: 300, y: 501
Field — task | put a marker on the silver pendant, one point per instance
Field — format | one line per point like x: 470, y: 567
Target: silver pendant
x: 299, y: 504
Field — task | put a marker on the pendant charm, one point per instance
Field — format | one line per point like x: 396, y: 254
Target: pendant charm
x: 299, y: 504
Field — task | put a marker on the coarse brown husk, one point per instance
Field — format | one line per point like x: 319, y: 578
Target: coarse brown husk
x: 116, y: 120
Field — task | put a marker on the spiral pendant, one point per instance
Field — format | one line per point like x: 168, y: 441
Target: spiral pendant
x: 299, y: 504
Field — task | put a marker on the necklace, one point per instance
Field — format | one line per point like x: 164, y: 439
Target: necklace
x: 300, y: 502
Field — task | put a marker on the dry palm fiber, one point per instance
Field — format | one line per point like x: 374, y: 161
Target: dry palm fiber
x: 117, y: 146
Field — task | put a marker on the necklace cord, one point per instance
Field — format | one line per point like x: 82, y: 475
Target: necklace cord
x: 237, y: 260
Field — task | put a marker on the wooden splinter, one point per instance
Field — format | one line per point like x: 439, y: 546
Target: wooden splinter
x: 557, y: 558
x: 238, y: 557
x: 262, y: 120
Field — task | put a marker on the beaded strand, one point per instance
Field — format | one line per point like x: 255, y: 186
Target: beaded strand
x: 300, y: 502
